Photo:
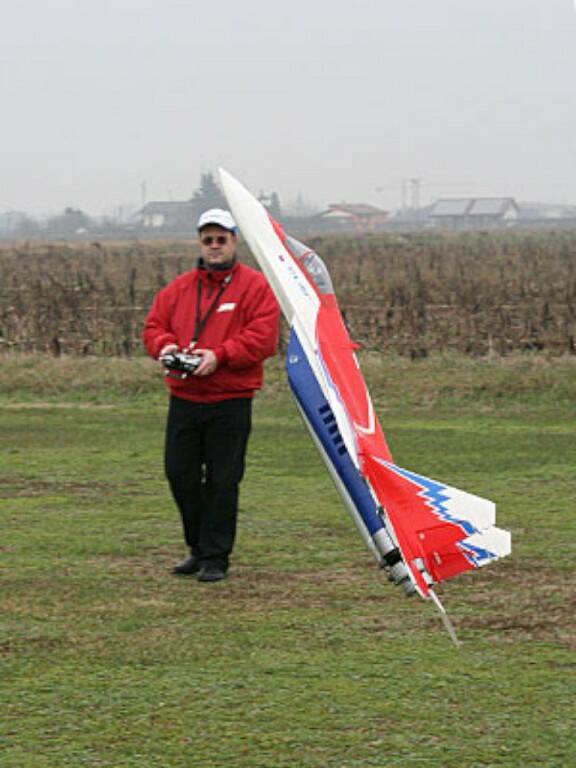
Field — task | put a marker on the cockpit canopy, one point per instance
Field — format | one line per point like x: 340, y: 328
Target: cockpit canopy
x: 313, y: 264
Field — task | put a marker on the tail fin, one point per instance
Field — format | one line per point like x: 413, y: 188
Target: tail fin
x: 441, y: 531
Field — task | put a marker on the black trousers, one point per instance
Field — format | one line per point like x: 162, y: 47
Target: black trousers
x: 204, y: 462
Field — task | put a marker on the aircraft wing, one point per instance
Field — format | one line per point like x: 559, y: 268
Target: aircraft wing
x: 441, y: 531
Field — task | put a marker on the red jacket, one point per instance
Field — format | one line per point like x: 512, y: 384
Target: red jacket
x: 242, y: 330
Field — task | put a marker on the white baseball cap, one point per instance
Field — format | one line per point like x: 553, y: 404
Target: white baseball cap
x: 218, y: 217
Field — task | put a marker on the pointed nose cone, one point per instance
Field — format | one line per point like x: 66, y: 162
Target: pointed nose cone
x: 233, y: 190
x: 226, y: 179
x: 249, y: 212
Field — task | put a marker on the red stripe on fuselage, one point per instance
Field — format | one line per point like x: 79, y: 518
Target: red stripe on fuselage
x: 337, y: 352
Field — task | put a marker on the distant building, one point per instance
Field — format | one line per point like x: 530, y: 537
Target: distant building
x: 546, y: 211
x: 353, y: 216
x: 474, y: 212
x: 168, y: 215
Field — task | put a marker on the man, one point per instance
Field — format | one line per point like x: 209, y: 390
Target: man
x: 226, y: 313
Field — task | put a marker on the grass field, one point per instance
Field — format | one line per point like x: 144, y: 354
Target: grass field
x: 305, y: 656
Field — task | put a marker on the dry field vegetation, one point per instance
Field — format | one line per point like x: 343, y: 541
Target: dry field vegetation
x: 475, y: 293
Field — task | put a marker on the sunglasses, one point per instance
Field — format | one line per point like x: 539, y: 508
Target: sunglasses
x: 218, y: 239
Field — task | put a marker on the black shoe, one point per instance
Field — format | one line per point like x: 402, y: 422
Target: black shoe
x: 187, y: 567
x: 211, y: 573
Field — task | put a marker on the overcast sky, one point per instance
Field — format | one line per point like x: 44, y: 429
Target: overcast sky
x: 329, y: 100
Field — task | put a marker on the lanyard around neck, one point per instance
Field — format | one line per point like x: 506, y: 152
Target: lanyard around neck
x: 200, y: 322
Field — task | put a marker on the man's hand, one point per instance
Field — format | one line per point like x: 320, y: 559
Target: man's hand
x: 169, y: 349
x: 209, y: 362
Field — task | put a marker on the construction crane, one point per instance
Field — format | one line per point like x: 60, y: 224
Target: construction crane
x: 411, y: 188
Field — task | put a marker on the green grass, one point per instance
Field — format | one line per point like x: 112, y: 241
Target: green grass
x: 305, y: 656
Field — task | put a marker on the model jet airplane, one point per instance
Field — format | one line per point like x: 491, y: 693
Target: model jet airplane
x: 422, y: 531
